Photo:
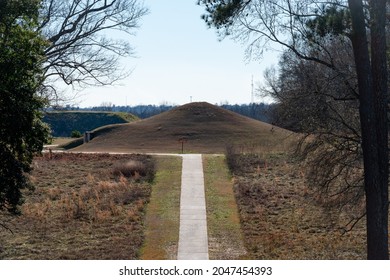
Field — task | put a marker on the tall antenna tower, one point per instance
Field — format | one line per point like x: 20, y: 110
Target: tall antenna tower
x: 252, y: 92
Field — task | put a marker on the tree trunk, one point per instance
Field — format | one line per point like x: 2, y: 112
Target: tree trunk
x: 372, y: 81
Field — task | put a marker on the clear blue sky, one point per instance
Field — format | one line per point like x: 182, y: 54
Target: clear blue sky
x: 177, y: 57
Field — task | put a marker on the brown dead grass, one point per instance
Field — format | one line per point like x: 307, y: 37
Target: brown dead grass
x: 280, y: 218
x: 80, y: 209
x: 205, y: 128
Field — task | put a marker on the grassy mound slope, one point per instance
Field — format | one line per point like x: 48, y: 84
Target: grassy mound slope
x: 205, y: 128
x: 63, y: 123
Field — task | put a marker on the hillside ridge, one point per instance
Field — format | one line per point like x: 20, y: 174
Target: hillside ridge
x: 203, y: 127
x: 62, y: 123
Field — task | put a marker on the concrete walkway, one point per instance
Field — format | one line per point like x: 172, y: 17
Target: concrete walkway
x: 193, y: 242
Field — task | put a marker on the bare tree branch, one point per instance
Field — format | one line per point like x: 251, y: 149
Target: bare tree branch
x: 86, y: 40
x: 352, y: 223
x: 6, y: 228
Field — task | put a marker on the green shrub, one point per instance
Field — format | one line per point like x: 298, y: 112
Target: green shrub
x: 76, y: 134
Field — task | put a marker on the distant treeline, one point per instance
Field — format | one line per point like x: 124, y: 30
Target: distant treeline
x: 71, y: 122
x: 258, y: 111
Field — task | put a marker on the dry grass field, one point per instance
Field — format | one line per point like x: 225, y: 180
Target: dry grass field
x: 90, y: 206
x: 83, y: 207
x: 280, y: 218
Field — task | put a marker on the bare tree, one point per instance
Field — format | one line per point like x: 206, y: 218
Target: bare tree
x: 296, y: 25
x: 313, y: 100
x: 86, y: 40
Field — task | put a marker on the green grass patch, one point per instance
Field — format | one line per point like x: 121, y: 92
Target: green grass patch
x: 163, y: 212
x: 224, y: 233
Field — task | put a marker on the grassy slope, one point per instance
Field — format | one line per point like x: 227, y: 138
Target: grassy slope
x: 224, y: 233
x: 163, y: 212
x: 206, y: 128
x: 63, y: 123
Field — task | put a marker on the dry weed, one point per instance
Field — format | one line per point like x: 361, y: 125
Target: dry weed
x: 135, y: 169
x: 79, y: 210
x: 280, y: 217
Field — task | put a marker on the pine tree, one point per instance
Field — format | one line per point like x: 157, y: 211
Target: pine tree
x: 22, y: 132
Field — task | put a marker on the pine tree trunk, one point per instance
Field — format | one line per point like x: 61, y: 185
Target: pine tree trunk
x: 372, y: 81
